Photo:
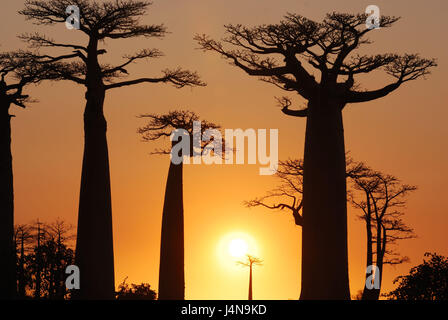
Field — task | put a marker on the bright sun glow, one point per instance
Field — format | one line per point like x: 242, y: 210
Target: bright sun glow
x: 238, y: 248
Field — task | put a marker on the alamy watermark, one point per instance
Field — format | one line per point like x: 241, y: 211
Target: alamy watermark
x: 221, y: 151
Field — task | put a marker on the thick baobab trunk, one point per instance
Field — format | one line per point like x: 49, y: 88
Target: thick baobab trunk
x: 171, y: 272
x: 7, y: 247
x: 324, y: 244
x: 250, y: 282
x: 94, y: 245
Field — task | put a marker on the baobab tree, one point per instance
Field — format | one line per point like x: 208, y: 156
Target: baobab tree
x: 381, y: 199
x: 17, y: 70
x: 108, y: 20
x: 292, y: 55
x: 171, y: 269
x: 251, y: 261
x: 378, y: 195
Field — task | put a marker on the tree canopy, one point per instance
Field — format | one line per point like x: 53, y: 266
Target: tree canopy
x: 292, y: 53
x: 18, y: 69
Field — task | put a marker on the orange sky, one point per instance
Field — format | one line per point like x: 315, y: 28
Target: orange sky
x: 403, y: 134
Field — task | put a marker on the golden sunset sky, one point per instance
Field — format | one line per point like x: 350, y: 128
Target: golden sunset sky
x: 403, y: 134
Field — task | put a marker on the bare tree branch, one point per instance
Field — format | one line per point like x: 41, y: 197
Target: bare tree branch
x: 161, y: 126
x: 178, y: 77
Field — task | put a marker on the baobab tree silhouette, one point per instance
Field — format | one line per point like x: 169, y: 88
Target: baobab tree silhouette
x: 378, y: 195
x: 100, y: 22
x: 17, y: 70
x: 381, y: 198
x: 290, y: 173
x: 251, y: 261
x: 171, y: 269
x: 278, y: 53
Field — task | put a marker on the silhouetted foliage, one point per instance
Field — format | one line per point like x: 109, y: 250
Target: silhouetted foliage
x: 160, y: 126
x: 358, y: 295
x: 133, y: 291
x: 99, y: 21
x: 291, y: 55
x: 427, y: 281
x: 43, y: 251
x: 171, y: 270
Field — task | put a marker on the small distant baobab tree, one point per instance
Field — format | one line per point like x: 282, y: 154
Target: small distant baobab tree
x: 17, y: 70
x: 99, y: 21
x: 251, y: 261
x: 171, y: 272
x: 318, y: 61
x: 381, y: 199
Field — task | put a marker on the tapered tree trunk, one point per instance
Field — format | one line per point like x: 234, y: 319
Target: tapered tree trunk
x: 7, y: 247
x: 250, y: 282
x: 324, y: 244
x: 171, y: 273
x: 94, y: 245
